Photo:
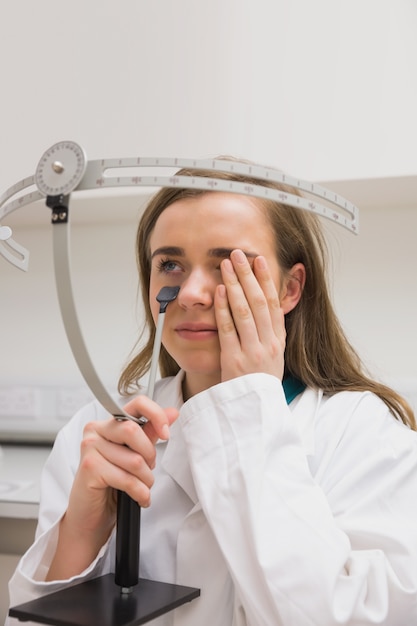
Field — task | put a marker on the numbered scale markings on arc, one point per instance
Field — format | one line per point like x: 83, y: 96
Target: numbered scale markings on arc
x: 64, y: 169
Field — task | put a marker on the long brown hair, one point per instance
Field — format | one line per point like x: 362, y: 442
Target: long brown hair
x: 317, y: 350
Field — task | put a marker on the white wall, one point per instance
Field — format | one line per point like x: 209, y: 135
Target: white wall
x: 375, y: 290
x: 325, y: 90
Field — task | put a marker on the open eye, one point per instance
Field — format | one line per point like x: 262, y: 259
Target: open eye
x: 166, y: 266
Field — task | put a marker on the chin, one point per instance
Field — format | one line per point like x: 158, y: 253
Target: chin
x: 200, y: 367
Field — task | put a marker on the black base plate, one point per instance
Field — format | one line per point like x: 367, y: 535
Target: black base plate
x: 100, y: 602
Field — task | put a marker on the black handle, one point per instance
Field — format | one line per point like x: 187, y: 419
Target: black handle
x: 127, y: 541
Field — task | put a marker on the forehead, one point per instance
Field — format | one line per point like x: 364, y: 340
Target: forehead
x: 214, y: 215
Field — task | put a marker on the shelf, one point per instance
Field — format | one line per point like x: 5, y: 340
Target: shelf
x: 377, y: 192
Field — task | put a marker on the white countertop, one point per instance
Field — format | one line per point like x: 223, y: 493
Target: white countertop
x: 20, y: 471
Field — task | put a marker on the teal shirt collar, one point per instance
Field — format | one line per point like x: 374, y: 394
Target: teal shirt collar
x: 292, y: 387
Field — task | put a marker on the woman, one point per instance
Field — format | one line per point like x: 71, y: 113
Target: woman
x: 275, y: 475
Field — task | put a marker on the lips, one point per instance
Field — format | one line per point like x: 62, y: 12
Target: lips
x: 196, y: 330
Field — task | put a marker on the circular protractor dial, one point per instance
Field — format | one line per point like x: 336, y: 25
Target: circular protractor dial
x: 60, y: 169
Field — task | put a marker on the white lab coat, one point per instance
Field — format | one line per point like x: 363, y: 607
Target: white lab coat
x: 295, y: 515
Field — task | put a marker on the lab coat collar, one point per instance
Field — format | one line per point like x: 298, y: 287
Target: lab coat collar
x: 304, y: 411
x: 175, y: 459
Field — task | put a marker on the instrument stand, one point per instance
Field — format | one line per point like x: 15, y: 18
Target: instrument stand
x: 100, y: 601
x: 120, y: 599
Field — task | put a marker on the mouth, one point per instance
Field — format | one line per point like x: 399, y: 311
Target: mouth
x: 196, y: 331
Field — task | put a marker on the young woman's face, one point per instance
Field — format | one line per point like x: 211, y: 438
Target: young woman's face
x: 190, y: 239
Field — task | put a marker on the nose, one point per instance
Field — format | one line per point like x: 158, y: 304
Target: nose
x: 197, y: 290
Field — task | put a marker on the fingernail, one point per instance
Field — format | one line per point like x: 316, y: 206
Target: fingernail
x: 261, y: 263
x: 227, y: 265
x: 165, y: 431
x: 239, y: 257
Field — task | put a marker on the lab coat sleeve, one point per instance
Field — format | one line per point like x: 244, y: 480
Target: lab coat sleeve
x: 303, y: 552
x: 28, y: 581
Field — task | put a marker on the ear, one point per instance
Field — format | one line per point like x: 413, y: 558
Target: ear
x: 293, y: 287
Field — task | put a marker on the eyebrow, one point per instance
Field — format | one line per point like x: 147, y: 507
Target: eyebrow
x: 217, y: 253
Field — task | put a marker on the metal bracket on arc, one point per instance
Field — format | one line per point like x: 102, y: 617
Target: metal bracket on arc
x: 60, y: 208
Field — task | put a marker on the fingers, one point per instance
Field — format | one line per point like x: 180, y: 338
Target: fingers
x: 127, y: 435
x: 159, y: 419
x: 249, y: 317
x: 107, y: 461
x: 106, y: 464
x: 252, y: 297
x: 270, y: 292
x: 121, y: 454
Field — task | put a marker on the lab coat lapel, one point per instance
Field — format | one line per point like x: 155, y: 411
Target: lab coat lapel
x: 304, y: 415
x: 175, y: 458
x: 175, y: 462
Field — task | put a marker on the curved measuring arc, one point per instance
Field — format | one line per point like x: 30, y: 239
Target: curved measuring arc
x: 228, y: 186
x: 78, y: 175
x: 14, y: 253
x: 62, y: 263
x: 11, y: 250
x: 95, y: 178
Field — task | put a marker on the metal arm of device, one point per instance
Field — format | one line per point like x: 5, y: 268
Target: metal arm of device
x: 128, y: 511
x: 62, y: 264
x: 63, y: 168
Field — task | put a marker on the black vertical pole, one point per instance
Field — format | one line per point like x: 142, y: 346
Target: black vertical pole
x: 127, y: 542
